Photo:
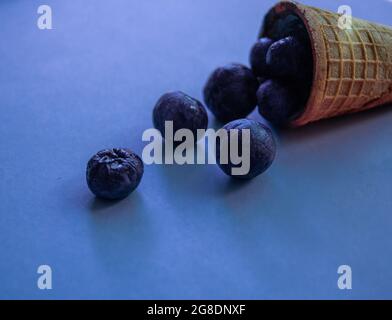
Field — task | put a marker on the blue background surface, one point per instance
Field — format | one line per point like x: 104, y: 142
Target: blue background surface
x: 188, y: 231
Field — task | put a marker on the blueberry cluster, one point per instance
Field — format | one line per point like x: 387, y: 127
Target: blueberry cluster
x: 285, y: 67
x: 278, y: 82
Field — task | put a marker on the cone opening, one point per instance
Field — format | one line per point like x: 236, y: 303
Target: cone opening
x: 285, y: 20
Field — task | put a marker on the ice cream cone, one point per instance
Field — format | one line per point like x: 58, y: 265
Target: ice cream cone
x: 352, y: 68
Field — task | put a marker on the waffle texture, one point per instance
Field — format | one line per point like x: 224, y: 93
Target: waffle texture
x: 352, y: 68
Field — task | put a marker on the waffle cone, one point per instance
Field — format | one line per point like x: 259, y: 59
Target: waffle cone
x: 352, y: 68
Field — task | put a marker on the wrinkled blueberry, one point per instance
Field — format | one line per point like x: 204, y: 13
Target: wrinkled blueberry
x: 258, y: 55
x: 262, y: 148
x: 279, y: 101
x: 230, y: 92
x: 114, y: 173
x: 289, y: 57
x: 185, y: 112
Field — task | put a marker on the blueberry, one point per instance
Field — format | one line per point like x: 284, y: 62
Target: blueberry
x: 230, y: 92
x: 262, y: 148
x: 289, y: 57
x: 185, y: 112
x: 114, y: 173
x: 278, y: 101
x: 258, y: 55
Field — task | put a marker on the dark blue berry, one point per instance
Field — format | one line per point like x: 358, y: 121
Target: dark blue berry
x: 258, y: 55
x: 262, y: 147
x: 114, y: 173
x: 185, y: 112
x: 230, y: 92
x: 281, y: 25
x: 278, y: 101
x: 289, y: 57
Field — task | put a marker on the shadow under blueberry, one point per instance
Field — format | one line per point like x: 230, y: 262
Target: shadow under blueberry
x: 209, y: 189
x: 197, y: 179
x: 233, y: 185
x: 117, y: 209
x: 215, y: 123
x: 246, y: 197
x: 98, y: 204
x: 119, y: 229
x: 188, y: 180
x: 125, y: 208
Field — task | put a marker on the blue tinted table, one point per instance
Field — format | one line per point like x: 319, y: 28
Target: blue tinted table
x: 188, y: 231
